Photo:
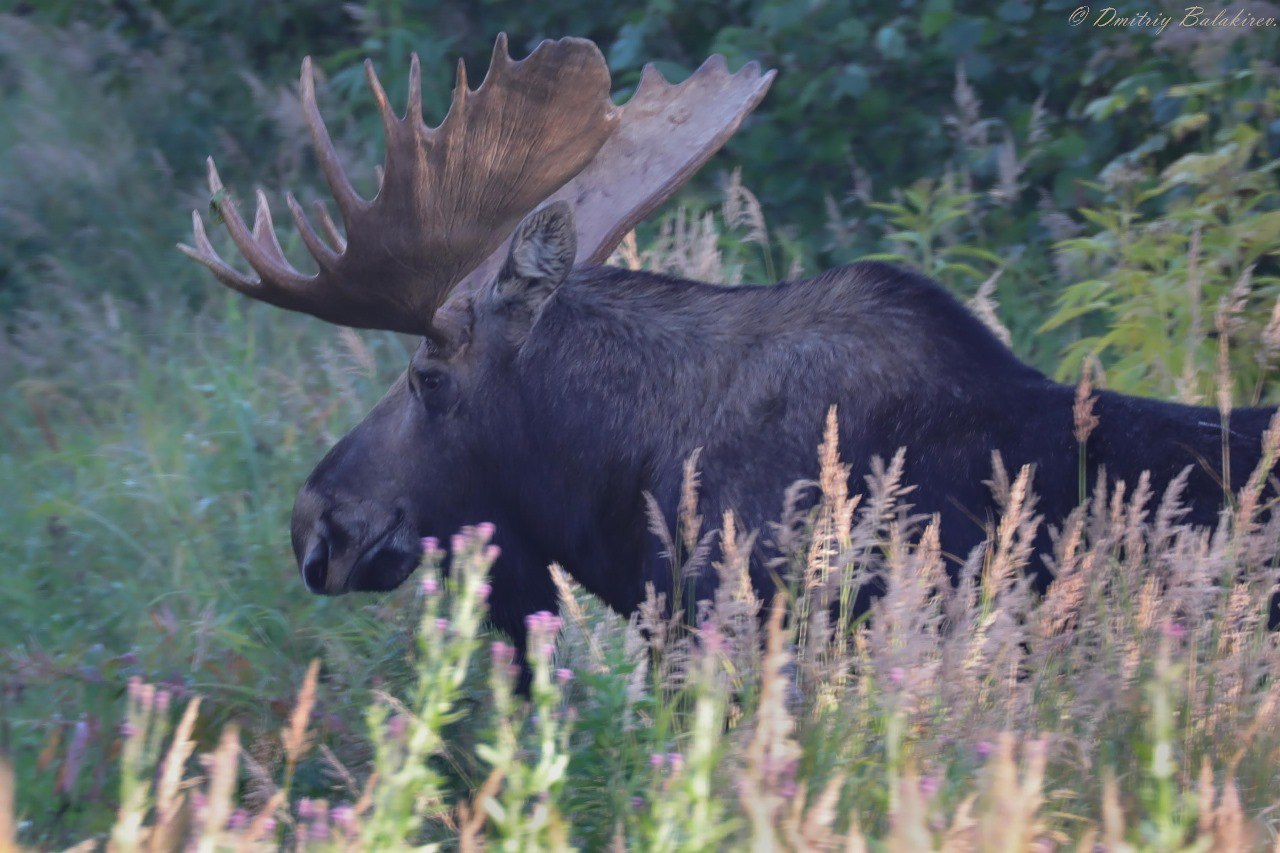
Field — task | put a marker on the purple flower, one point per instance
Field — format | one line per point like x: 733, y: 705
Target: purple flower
x: 712, y: 639
x: 75, y: 757
x: 897, y: 675
x: 307, y: 808
x: 544, y: 621
x: 564, y: 676
x: 492, y: 553
x: 442, y: 625
x: 429, y: 585
x: 396, y: 727
x: 657, y: 760
x: 1174, y: 630
x: 483, y: 591
x: 929, y: 785
x: 676, y: 760
x: 430, y: 544
x: 344, y: 816
x: 485, y: 531
x: 984, y: 749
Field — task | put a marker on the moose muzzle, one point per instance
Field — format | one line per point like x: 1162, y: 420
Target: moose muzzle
x: 351, y: 545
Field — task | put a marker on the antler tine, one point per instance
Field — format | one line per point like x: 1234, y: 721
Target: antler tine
x: 499, y: 59
x: 326, y: 254
x: 331, y: 232
x: 204, y: 253
x: 349, y: 202
x: 264, y: 231
x: 413, y: 109
x: 460, y: 79
x: 388, y: 115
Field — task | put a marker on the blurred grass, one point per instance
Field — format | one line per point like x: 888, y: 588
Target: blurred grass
x: 147, y: 513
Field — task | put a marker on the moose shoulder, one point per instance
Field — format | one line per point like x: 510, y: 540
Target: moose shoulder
x: 550, y: 396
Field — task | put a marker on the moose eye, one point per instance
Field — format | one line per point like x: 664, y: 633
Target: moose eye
x: 431, y: 386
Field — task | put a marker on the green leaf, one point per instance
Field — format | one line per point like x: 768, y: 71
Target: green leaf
x: 891, y: 43
x: 1188, y: 123
x: 936, y: 15
x: 852, y: 80
x: 1066, y: 315
x: 1014, y: 11
x: 1102, y: 108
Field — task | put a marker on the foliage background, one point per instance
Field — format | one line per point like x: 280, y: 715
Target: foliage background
x: 1104, y: 191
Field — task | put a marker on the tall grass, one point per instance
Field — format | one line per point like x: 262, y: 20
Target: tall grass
x: 1135, y: 705
x: 149, y: 462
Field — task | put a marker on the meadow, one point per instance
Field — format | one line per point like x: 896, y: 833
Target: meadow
x: 166, y: 681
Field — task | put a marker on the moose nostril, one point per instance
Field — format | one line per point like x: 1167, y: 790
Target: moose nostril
x: 316, y: 564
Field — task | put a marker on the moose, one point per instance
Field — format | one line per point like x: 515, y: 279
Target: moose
x: 550, y: 395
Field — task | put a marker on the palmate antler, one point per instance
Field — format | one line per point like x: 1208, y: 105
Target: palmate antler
x: 450, y: 196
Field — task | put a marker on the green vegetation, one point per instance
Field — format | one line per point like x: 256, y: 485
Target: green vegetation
x: 1107, y: 194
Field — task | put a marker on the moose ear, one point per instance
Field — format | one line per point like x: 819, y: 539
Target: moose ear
x: 541, y: 255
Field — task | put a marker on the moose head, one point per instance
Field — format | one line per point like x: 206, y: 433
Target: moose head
x: 433, y: 254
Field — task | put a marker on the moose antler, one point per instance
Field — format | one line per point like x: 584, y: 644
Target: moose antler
x: 668, y: 131
x: 449, y: 196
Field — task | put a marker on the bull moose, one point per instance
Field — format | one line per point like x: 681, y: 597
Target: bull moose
x: 549, y: 394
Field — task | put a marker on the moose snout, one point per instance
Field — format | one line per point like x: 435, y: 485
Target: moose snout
x: 314, y: 545
x: 330, y: 555
x: 314, y: 562
x: 352, y: 544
